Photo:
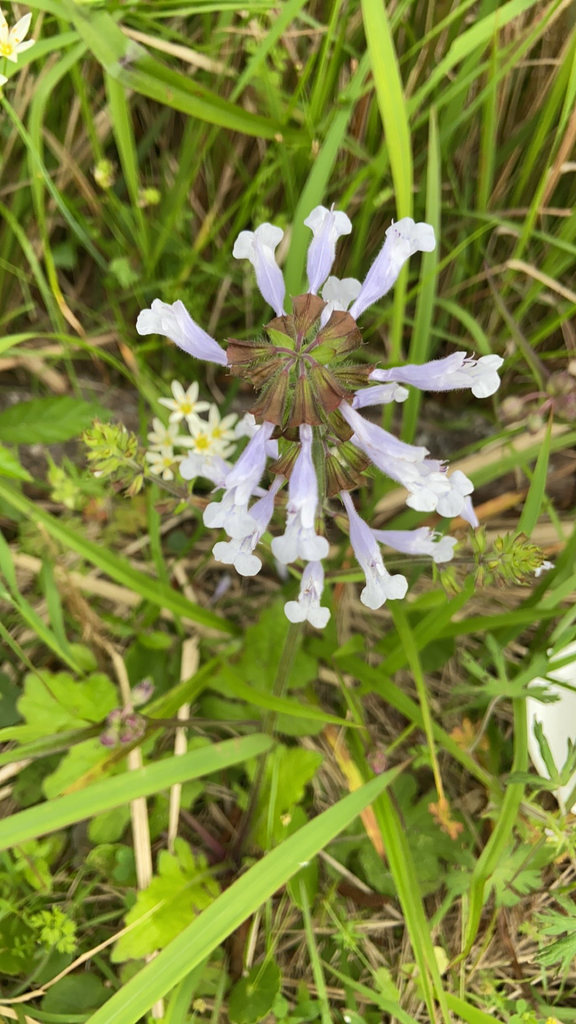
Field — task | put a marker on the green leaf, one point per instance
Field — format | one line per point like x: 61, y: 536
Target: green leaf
x: 10, y: 466
x: 288, y: 772
x: 233, y: 907
x: 82, y: 758
x: 48, y: 420
x: 75, y: 994
x: 263, y: 649
x: 54, y: 702
x: 182, y: 888
x: 122, y: 789
x: 253, y: 996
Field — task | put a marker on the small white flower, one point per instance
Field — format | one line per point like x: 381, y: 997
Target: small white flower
x: 162, y: 436
x: 455, y: 371
x: 210, y: 467
x: 545, y: 567
x: 259, y: 247
x: 162, y: 462
x: 184, y: 405
x: 307, y: 607
x: 221, y: 432
x: 300, y: 539
x: 231, y: 512
x: 403, y: 239
x: 11, y: 44
x: 341, y: 292
x: 239, y: 551
x: 327, y: 226
x: 379, y: 394
x: 202, y: 442
x: 419, y: 542
x: 247, y: 427
x: 3, y: 80
x: 380, y: 585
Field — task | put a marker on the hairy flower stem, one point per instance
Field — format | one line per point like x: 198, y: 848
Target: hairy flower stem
x: 289, y: 652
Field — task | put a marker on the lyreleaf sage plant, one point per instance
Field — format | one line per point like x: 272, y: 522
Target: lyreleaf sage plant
x: 306, y: 417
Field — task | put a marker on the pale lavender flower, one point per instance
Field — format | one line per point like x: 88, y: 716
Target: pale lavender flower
x: 419, y: 542
x: 403, y: 239
x: 300, y: 539
x: 309, y: 397
x: 380, y: 585
x: 231, y: 512
x: 259, y: 247
x: 247, y: 427
x: 327, y: 226
x: 376, y: 442
x: 307, y: 608
x: 239, y: 551
x: 469, y: 514
x: 208, y: 466
x: 379, y: 394
x: 338, y: 294
x: 455, y: 371
x: 175, y: 322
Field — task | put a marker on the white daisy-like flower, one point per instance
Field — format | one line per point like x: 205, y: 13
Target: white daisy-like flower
x: 162, y: 436
x: 162, y: 462
x: 184, y: 405
x: 221, y: 430
x: 11, y: 39
x: 211, y: 437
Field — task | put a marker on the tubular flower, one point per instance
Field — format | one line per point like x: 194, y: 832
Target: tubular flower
x: 306, y: 417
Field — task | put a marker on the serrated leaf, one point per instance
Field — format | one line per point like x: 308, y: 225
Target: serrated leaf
x: 48, y: 420
x: 182, y: 888
x: 53, y: 702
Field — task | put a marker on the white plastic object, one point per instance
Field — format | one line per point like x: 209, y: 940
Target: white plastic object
x: 558, y: 721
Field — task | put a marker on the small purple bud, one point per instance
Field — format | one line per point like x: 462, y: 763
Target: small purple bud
x: 142, y: 692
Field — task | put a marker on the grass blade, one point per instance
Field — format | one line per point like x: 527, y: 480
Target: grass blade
x: 394, y: 114
x: 421, y: 341
x: 118, y: 568
x: 233, y: 907
x: 122, y: 789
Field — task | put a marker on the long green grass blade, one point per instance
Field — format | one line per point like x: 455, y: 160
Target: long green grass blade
x: 233, y: 907
x: 122, y: 789
x: 395, y: 120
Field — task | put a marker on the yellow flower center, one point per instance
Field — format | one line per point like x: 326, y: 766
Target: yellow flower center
x: 6, y: 49
x: 217, y: 433
x: 202, y: 443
